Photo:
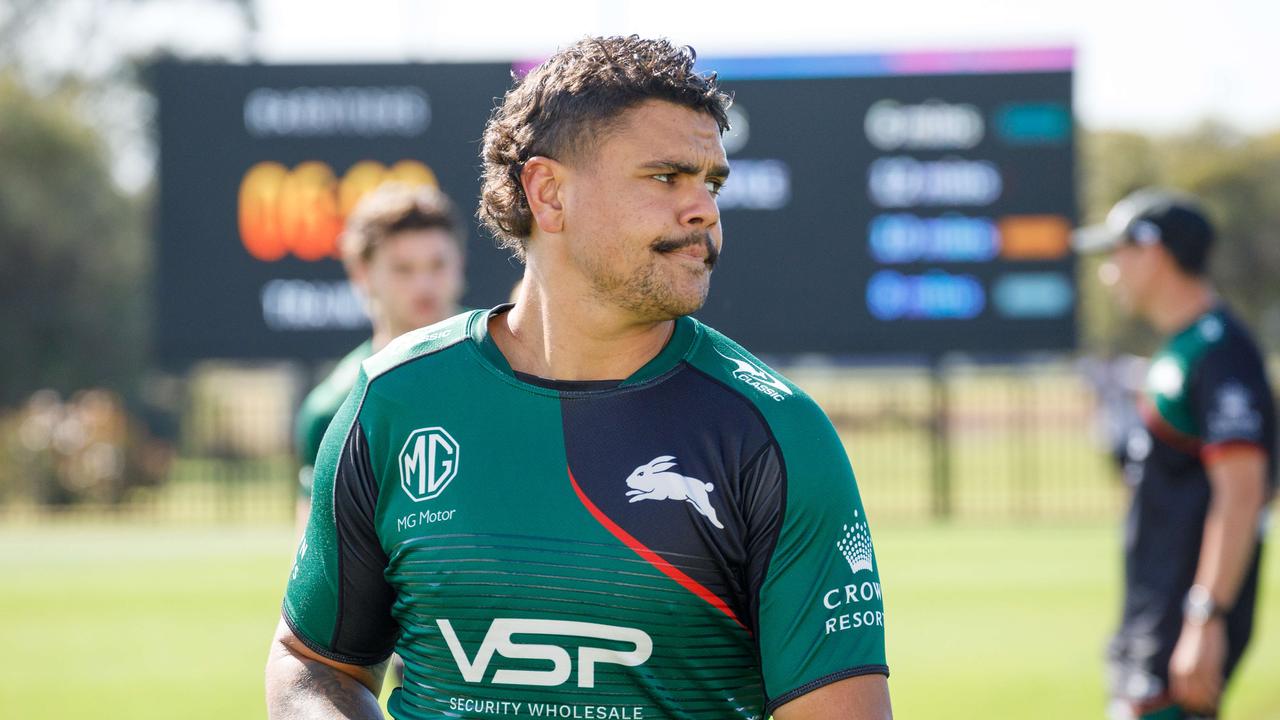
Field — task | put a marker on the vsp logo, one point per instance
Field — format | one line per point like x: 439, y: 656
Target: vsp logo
x: 428, y: 462
x: 498, y: 640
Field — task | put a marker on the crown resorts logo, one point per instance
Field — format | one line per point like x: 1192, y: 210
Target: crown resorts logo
x: 858, y: 603
x: 855, y: 545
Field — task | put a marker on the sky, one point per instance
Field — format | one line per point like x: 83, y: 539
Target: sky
x: 1142, y: 65
x: 1153, y: 67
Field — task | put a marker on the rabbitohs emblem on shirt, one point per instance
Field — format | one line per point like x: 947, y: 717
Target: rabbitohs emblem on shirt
x: 655, y: 481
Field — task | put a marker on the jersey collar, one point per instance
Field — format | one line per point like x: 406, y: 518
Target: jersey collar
x: 677, y: 347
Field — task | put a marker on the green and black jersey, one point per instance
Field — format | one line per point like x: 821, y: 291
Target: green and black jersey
x: 1206, y: 390
x: 686, y: 543
x: 321, y: 405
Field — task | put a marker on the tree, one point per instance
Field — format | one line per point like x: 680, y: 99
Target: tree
x: 72, y: 254
x: 1238, y: 179
x: 76, y: 148
x: 93, y: 53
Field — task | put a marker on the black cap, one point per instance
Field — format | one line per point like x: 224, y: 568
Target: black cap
x: 1151, y: 216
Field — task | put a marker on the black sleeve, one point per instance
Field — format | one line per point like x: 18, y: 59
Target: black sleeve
x: 338, y: 601
x: 764, y: 499
x: 1231, y: 399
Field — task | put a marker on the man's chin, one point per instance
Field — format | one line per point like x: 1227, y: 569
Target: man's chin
x: 681, y: 306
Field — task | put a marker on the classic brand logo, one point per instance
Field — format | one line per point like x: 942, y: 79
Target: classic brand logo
x: 428, y: 462
x: 654, y: 481
x: 1211, y: 329
x: 302, y: 554
x: 758, y: 378
x: 855, y: 545
x: 498, y: 640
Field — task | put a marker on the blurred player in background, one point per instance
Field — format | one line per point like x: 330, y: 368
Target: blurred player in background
x: 1202, y: 467
x: 588, y: 504
x: 403, y: 250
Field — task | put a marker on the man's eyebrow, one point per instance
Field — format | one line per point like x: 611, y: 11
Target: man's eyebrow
x: 685, y: 168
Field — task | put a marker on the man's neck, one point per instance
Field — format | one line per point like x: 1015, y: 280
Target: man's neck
x: 561, y: 333
x: 1181, y: 301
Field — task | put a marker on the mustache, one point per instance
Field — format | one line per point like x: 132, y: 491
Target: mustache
x: 666, y: 245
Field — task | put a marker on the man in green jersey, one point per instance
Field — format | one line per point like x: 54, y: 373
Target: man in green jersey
x: 1201, y: 467
x: 587, y: 504
x: 403, y: 250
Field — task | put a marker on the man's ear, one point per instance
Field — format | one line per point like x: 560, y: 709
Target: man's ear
x: 542, y: 178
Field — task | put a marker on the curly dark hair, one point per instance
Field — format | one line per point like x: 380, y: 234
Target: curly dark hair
x: 564, y: 106
x: 394, y: 208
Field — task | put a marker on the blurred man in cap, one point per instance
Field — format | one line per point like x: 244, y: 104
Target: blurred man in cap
x: 1202, y: 466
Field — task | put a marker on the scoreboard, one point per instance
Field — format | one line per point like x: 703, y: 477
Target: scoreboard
x: 259, y: 167
x: 909, y: 204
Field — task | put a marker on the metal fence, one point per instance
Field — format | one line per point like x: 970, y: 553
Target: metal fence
x: 956, y: 441
x: 1018, y: 442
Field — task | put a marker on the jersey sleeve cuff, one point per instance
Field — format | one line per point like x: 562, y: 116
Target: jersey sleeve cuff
x: 323, y: 651
x: 812, y: 685
x: 1214, y: 451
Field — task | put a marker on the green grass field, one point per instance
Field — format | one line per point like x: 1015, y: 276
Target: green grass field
x: 106, y: 621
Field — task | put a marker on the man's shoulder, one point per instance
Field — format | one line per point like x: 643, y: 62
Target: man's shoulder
x: 1217, y: 338
x: 733, y: 366
x: 1236, y: 336
x: 809, y: 444
x: 424, y: 342
x: 325, y: 398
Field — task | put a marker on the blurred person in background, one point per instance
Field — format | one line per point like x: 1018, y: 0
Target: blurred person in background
x: 1202, y: 466
x: 403, y: 250
x: 530, y: 580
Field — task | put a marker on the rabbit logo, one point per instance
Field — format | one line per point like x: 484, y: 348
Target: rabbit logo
x: 655, y: 481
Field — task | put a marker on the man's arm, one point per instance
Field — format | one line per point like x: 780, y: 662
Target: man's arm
x: 302, y: 684
x: 865, y: 697
x: 1237, y: 479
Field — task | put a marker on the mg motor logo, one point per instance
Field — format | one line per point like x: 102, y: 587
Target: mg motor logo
x: 428, y: 462
x: 498, y: 640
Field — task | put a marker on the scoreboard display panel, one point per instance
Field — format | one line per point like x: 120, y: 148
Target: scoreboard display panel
x: 913, y: 204
x: 259, y: 167
x: 910, y: 204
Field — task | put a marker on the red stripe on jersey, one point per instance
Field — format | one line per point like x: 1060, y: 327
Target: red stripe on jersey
x: 1214, y: 452
x: 1161, y: 428
x: 652, y: 557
